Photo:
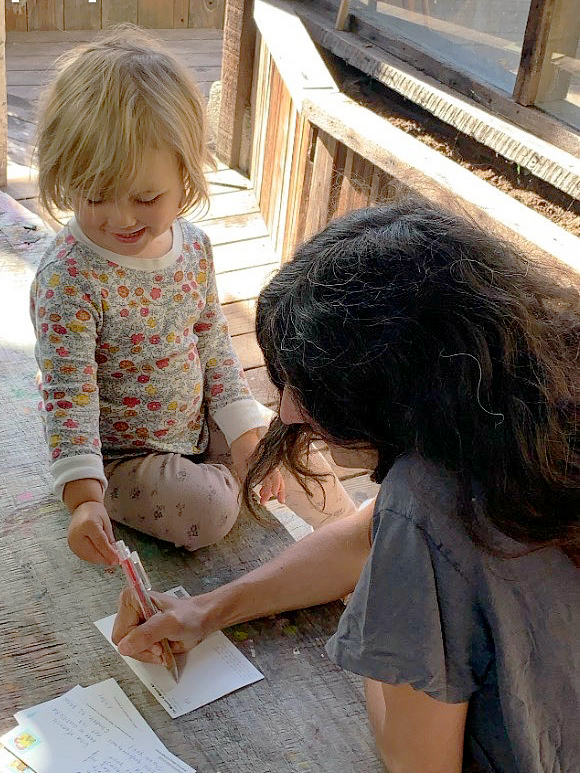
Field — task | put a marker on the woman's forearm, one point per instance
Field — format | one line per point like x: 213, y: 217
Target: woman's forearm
x: 322, y: 567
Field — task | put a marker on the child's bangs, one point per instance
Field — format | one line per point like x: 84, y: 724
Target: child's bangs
x: 108, y: 166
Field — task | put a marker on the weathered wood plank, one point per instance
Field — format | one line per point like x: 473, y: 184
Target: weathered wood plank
x: 180, y: 13
x: 534, y: 51
x: 117, y: 11
x: 342, y: 14
x: 297, y: 179
x: 82, y: 16
x: 206, y: 13
x: 244, y: 284
x: 261, y: 386
x: 241, y: 316
x: 235, y: 228
x: 243, y: 254
x: 248, y: 350
x: 154, y: 14
x: 45, y: 14
x: 234, y: 203
x: 3, y: 106
x: 238, y: 63
x: 16, y: 16
x: 317, y: 214
x: 83, y: 36
x: 267, y: 191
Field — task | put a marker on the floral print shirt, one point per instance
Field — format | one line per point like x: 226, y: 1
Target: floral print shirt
x: 132, y: 352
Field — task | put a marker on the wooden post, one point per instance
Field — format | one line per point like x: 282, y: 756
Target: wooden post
x: 3, y: 104
x: 342, y: 14
x: 237, y: 71
x: 552, y: 32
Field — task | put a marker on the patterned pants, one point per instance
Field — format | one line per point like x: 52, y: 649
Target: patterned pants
x: 193, y: 501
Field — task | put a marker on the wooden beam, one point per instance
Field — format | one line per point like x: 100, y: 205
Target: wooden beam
x: 3, y: 105
x: 554, y: 158
x: 237, y: 72
x: 484, y: 94
x: 16, y: 16
x: 405, y: 158
x: 562, y: 46
x: 534, y: 51
x: 342, y: 14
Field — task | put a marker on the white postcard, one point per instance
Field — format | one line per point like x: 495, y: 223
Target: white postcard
x: 209, y: 671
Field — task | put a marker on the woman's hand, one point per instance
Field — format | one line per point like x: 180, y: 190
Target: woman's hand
x: 241, y: 450
x: 179, y: 621
x: 90, y: 534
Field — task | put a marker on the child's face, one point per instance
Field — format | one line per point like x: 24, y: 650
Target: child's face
x: 137, y: 222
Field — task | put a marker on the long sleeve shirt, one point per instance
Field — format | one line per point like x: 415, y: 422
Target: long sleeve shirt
x: 132, y: 352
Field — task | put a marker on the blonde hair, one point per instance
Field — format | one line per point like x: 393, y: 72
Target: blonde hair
x: 111, y: 102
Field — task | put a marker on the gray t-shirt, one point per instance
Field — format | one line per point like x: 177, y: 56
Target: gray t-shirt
x: 433, y: 611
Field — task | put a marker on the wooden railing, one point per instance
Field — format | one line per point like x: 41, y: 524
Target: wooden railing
x: 316, y: 154
x: 97, y: 14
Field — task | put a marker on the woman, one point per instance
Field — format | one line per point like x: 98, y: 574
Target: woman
x: 415, y: 343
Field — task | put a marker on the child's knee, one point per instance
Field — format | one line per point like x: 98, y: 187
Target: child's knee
x: 215, y: 519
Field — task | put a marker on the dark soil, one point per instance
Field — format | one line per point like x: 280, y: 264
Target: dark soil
x: 505, y: 175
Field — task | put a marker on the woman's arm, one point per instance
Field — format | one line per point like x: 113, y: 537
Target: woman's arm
x: 322, y: 567
x: 415, y: 732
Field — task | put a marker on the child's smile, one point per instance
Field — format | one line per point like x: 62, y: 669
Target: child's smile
x: 138, y: 222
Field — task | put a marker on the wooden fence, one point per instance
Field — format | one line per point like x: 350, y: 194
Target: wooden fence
x: 97, y: 14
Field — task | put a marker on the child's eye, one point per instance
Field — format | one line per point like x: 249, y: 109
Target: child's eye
x: 94, y: 202
x: 148, y: 201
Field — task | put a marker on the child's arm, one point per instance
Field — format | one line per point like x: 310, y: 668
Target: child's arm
x: 65, y: 310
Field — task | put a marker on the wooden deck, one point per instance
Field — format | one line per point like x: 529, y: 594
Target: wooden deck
x: 306, y: 715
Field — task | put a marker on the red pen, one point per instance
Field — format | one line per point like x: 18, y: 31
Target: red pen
x: 137, y: 578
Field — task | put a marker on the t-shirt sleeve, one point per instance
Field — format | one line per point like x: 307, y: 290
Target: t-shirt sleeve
x: 413, y: 617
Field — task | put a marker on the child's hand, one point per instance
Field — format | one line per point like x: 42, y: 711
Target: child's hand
x: 241, y: 450
x: 273, y: 486
x: 90, y: 534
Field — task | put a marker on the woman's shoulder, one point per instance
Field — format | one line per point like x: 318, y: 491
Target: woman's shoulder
x: 426, y: 496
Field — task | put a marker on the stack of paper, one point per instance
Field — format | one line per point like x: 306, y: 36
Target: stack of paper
x: 88, y: 730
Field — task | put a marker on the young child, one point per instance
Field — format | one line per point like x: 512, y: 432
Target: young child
x: 146, y: 409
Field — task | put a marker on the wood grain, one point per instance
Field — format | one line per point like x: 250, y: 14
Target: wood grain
x: 206, y: 13
x: 45, y: 14
x: 237, y: 71
x: 82, y: 15
x: 117, y: 11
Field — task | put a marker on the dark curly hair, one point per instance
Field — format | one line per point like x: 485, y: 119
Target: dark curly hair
x: 409, y: 328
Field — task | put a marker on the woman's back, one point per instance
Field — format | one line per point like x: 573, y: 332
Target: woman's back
x: 437, y: 612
